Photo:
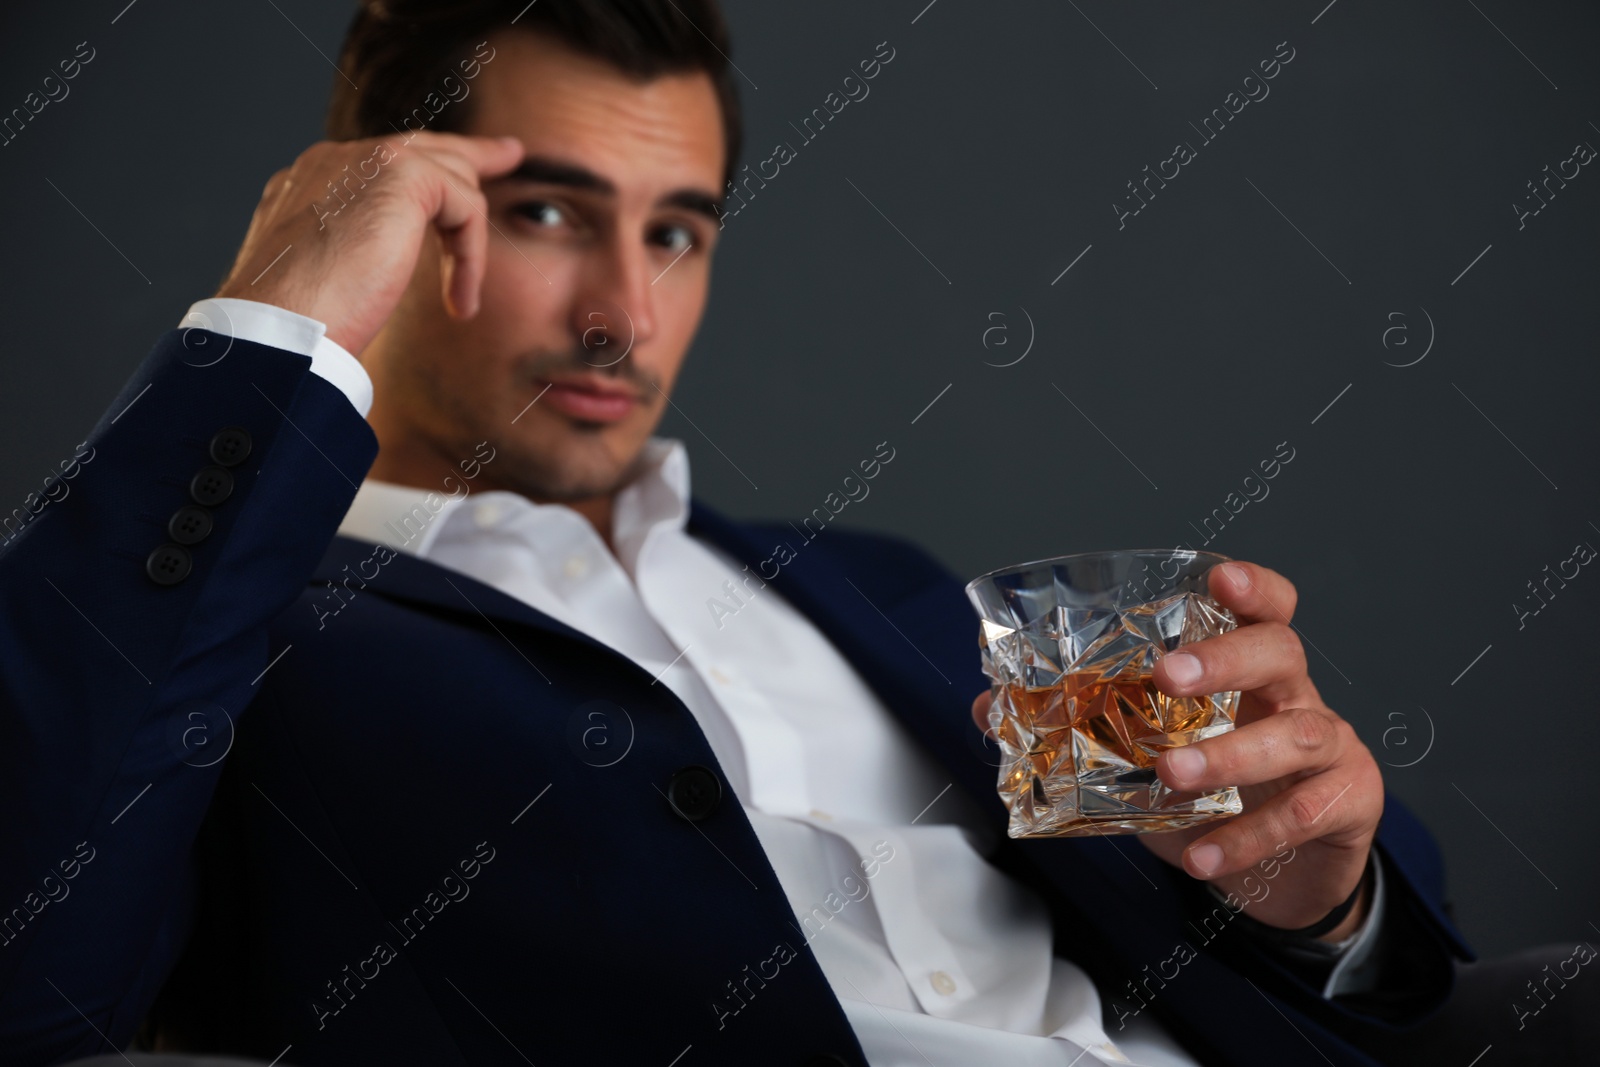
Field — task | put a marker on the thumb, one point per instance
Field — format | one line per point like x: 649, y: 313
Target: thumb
x: 980, y: 711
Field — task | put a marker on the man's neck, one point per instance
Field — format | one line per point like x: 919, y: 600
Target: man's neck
x: 598, y: 510
x: 429, y: 473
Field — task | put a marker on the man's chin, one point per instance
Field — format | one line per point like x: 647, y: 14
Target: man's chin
x: 581, y: 466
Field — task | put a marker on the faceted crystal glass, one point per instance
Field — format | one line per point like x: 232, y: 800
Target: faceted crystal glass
x: 1069, y: 645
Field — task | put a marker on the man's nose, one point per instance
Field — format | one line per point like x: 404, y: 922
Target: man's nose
x: 614, y: 313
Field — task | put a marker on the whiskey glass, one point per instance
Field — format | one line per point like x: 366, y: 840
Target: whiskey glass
x: 1069, y: 645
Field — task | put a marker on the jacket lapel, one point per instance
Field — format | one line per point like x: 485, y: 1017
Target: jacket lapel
x: 420, y: 581
x: 923, y: 672
x: 904, y: 654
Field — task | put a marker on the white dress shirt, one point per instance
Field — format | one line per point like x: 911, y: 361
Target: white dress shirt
x: 932, y: 951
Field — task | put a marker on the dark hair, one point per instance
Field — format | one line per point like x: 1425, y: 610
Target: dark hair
x: 400, y: 51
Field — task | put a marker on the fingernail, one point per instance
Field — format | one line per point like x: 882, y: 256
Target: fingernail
x: 1183, y: 668
x: 1205, y: 858
x: 1187, y: 764
x: 1236, y: 575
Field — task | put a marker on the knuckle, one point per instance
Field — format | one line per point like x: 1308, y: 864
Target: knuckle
x: 406, y: 164
x: 1271, y: 836
x: 460, y: 169
x: 1303, y: 807
x: 1371, y: 793
x: 444, y: 169
x: 1346, y: 736
x: 1287, y: 644
x: 1231, y: 752
x: 1309, y: 729
x: 323, y: 155
x: 1250, y: 839
x: 455, y: 184
x: 1224, y: 760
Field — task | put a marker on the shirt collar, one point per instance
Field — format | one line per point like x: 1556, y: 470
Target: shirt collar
x: 410, y: 518
x: 658, y: 497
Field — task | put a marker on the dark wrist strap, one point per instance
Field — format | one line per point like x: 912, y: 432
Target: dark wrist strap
x: 1317, y: 929
x: 1338, y: 915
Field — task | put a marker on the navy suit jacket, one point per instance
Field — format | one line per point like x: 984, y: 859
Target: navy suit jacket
x: 383, y: 834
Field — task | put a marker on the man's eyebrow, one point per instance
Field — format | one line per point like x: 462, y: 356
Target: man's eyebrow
x: 548, y: 171
x: 555, y: 172
x: 696, y: 201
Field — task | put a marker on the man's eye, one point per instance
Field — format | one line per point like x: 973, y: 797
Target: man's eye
x: 674, y: 238
x: 541, y: 212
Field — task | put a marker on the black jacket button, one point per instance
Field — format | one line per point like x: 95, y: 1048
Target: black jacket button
x: 694, y: 792
x: 210, y: 486
x: 189, y: 525
x: 169, y: 564
x: 230, y: 446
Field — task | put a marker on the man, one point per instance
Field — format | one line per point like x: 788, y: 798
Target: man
x: 497, y: 786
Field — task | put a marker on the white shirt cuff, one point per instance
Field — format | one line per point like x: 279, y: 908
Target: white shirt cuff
x: 1352, y: 974
x: 268, y: 324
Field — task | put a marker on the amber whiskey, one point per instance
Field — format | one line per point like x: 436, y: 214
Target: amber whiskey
x: 1081, y: 755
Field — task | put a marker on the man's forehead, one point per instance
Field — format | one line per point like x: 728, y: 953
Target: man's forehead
x: 580, y: 111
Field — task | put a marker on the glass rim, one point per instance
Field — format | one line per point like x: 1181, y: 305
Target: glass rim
x: 1197, y: 553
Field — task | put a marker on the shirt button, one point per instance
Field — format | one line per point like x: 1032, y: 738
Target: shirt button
x: 942, y: 983
x: 576, y: 567
x: 718, y: 676
x: 815, y: 814
x: 486, y: 513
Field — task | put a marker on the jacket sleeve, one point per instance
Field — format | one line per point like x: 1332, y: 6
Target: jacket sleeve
x: 135, y: 593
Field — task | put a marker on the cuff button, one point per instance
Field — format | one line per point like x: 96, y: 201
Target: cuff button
x: 230, y: 446
x: 169, y: 564
x: 210, y: 486
x: 189, y: 525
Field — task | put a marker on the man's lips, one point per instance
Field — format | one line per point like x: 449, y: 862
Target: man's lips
x: 590, y: 398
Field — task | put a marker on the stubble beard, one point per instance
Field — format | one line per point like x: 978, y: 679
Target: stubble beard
x: 574, y: 461
x: 578, y: 468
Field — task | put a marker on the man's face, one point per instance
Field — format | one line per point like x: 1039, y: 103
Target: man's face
x: 597, y: 270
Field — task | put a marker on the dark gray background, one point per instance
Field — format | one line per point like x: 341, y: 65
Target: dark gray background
x: 1250, y: 293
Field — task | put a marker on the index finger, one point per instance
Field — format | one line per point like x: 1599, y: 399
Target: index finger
x: 1252, y: 592
x: 489, y: 156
